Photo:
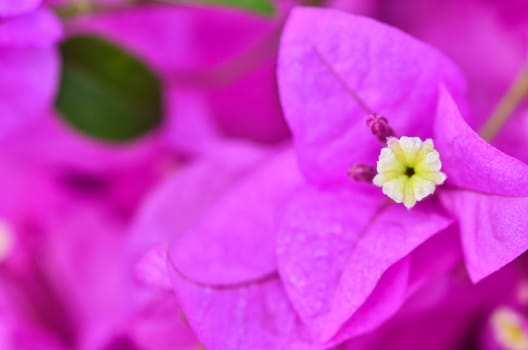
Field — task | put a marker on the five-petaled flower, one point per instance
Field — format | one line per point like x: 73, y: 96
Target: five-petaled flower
x: 409, y: 170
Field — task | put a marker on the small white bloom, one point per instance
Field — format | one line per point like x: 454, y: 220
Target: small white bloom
x: 409, y: 170
x: 6, y: 240
x: 508, y: 328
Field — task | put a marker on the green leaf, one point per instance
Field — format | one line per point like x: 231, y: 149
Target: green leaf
x: 264, y: 7
x: 106, y: 92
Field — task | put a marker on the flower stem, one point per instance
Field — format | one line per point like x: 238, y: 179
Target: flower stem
x: 507, y: 105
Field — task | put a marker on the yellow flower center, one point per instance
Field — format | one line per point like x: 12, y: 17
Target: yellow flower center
x: 508, y: 329
x: 409, y: 170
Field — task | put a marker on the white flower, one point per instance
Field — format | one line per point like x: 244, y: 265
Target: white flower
x: 509, y: 330
x: 409, y: 170
x: 6, y: 240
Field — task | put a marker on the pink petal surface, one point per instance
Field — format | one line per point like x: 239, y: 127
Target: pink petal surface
x: 493, y: 229
x: 162, y: 326
x: 39, y: 28
x: 89, y: 168
x: 250, y: 316
x: 511, y: 139
x: 69, y: 252
x: 469, y: 161
x: 24, y: 207
x: 250, y: 106
x: 172, y: 207
x: 443, y: 315
x: 71, y: 283
x: 152, y: 267
x: 490, y: 195
x: 385, y: 300
x: 28, y: 79
x: 178, y: 193
x: 335, y: 246
x: 87, y: 273
x: 17, y: 7
x: 50, y: 142
x: 426, y: 263
x: 189, y: 126
x: 24, y: 191
x: 326, y: 56
x: 256, y: 316
x: 28, y: 337
x: 234, y: 241
x: 31, y: 205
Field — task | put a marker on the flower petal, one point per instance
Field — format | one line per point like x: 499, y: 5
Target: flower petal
x: 491, y: 194
x: 189, y: 126
x: 162, y: 326
x: 49, y: 142
x: 493, y: 229
x: 430, y: 260
x: 234, y: 241
x: 17, y: 7
x: 28, y: 78
x: 469, y: 161
x: 181, y: 201
x: 328, y: 56
x: 334, y: 247
x: 39, y: 28
x: 448, y: 307
x: 151, y: 269
x: 257, y: 316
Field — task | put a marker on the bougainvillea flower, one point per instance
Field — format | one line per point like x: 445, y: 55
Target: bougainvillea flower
x: 313, y: 258
x: 237, y: 289
x: 232, y: 284
x: 29, y: 66
x: 328, y: 59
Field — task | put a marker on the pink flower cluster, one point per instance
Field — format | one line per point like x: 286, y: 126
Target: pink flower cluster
x: 326, y: 178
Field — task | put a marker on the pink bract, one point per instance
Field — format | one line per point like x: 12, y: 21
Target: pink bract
x: 17, y: 7
x: 327, y: 148
x: 29, y: 67
x: 291, y: 253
